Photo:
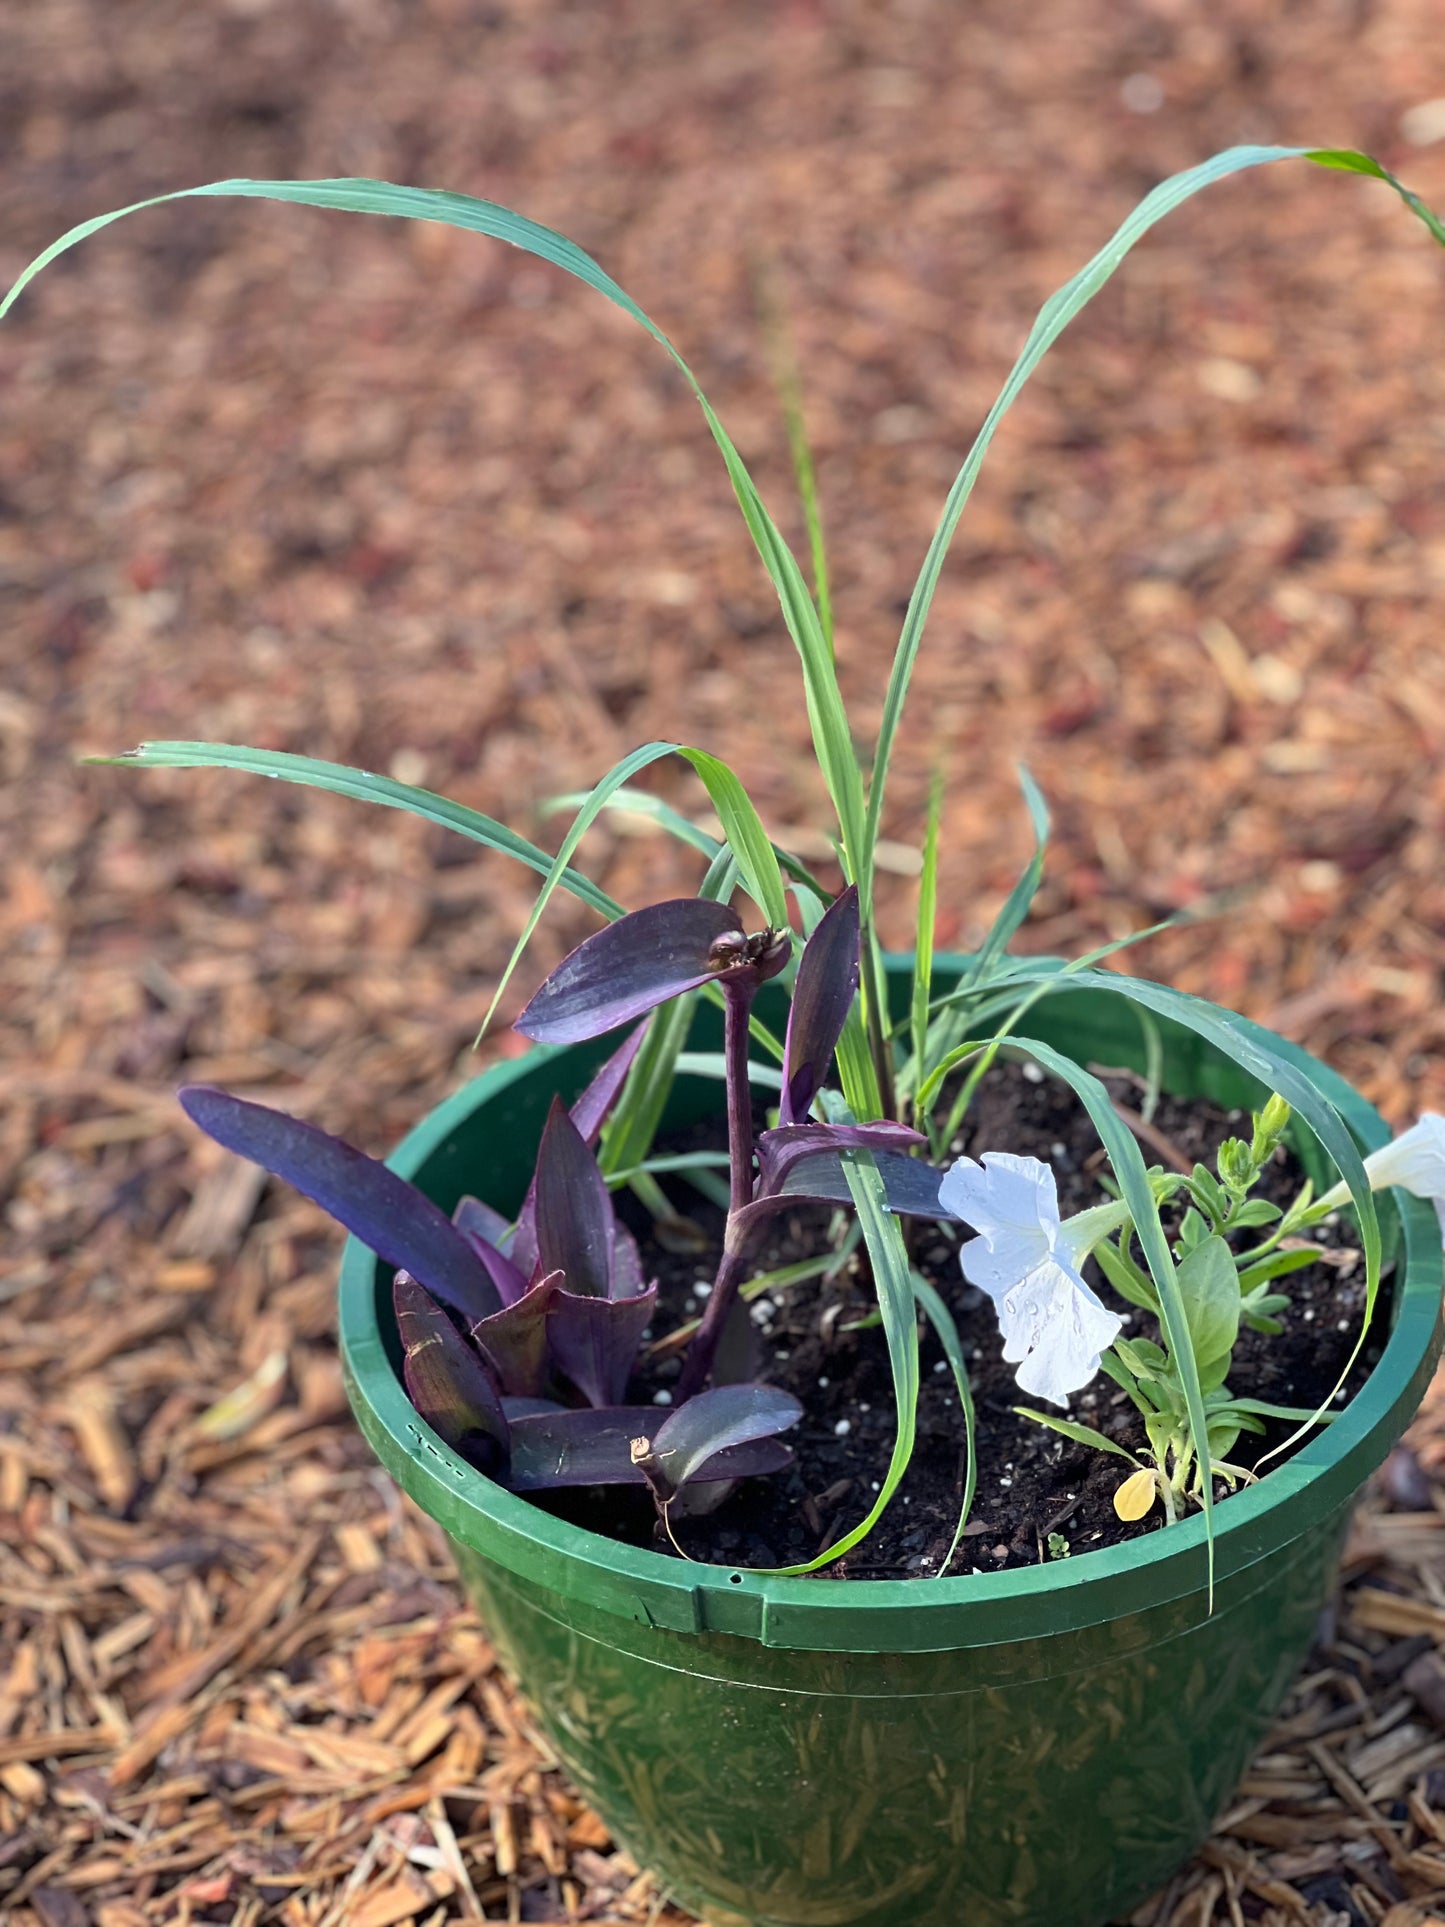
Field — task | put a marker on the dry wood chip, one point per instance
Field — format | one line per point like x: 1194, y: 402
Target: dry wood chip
x: 410, y: 1894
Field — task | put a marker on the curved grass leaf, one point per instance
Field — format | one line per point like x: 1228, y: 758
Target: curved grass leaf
x: 746, y: 838
x: 1248, y: 1047
x: 632, y: 802
x: 1019, y: 900
x: 941, y: 1319
x: 401, y: 1225
x: 367, y: 787
x: 1055, y: 315
x: 1080, y: 1434
x: 832, y: 740
x: 927, y: 916
x: 1137, y: 1192
x: 893, y: 1281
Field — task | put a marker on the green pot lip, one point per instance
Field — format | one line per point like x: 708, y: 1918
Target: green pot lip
x: 894, y: 1615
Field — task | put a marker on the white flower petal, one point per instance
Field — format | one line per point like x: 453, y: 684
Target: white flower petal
x: 997, y: 1260
x: 1055, y: 1329
x: 1415, y: 1161
x: 1013, y: 1204
x: 1003, y: 1190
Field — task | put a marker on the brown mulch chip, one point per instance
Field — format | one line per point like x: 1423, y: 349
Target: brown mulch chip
x: 406, y: 499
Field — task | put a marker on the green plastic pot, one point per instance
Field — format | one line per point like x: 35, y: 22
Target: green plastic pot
x: 1043, y: 1746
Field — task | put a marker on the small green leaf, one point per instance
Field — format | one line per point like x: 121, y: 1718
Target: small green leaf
x: 1209, y: 1286
x: 1254, y: 1211
x: 1126, y: 1277
x: 1278, y: 1264
x: 1080, y: 1434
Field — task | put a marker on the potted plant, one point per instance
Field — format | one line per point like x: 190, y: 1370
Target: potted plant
x: 1041, y: 1741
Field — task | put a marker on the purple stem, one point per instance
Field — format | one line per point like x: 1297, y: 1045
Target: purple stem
x: 700, y: 1353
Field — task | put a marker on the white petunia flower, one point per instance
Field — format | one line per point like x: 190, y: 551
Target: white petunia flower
x: 1415, y: 1161
x: 1027, y: 1259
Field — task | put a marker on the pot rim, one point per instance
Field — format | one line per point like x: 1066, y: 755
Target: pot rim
x: 921, y: 1614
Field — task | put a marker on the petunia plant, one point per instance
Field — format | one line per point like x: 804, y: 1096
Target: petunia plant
x: 520, y: 1336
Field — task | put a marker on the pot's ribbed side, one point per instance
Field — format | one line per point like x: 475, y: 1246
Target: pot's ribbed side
x: 1052, y: 1783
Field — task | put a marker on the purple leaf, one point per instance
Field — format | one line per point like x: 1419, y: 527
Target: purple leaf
x: 627, y: 1278
x: 594, y: 1341
x: 631, y: 967
x: 574, y: 1209
x: 481, y: 1227
x: 910, y: 1189
x: 514, y: 1340
x: 780, y: 1150
x: 713, y: 1422
x: 478, y: 1220
x: 401, y: 1226
x: 516, y: 1408
x: 595, y: 1448
x: 446, y: 1381
x: 589, y: 1114
x: 738, y: 1357
x: 823, y: 993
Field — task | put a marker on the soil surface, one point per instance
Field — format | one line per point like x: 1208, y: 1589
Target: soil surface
x: 1034, y: 1485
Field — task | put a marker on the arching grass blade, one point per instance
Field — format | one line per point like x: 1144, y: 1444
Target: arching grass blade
x: 367, y: 787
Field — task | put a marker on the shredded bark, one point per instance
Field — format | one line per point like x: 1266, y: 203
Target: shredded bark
x: 406, y: 499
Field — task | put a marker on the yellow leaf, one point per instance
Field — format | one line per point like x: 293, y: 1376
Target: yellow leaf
x: 1136, y: 1495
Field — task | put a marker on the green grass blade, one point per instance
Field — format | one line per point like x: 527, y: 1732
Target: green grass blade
x: 825, y: 703
x: 1019, y: 900
x: 941, y: 1319
x: 1347, y: 161
x: 1055, y: 315
x: 1249, y: 1048
x: 712, y: 1063
x: 745, y: 835
x: 643, y: 803
x: 747, y: 839
x: 1132, y: 1175
x: 927, y: 916
x: 856, y: 1072
x: 893, y: 1279
x: 367, y: 787
x: 597, y: 799
x: 788, y: 382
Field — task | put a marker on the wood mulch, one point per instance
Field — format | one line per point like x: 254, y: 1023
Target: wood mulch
x: 408, y: 500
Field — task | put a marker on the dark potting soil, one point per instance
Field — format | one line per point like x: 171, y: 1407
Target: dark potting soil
x: 1039, y: 1494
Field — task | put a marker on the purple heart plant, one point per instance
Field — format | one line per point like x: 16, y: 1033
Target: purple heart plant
x: 520, y: 1336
